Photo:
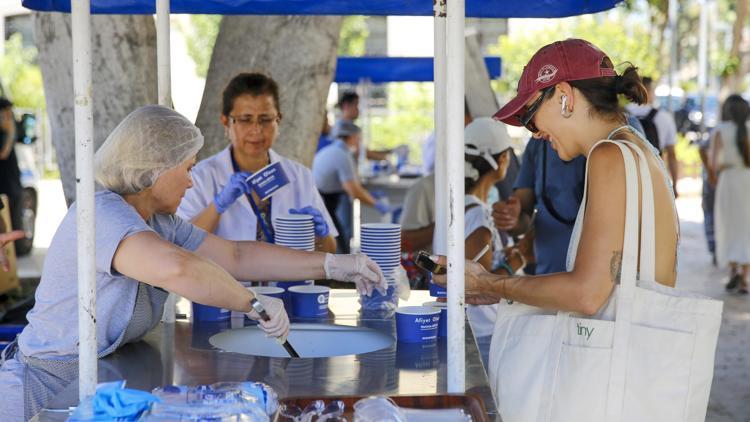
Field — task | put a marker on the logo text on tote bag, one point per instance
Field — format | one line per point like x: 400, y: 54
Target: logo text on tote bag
x: 584, y: 330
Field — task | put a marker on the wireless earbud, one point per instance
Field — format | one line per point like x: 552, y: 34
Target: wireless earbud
x: 564, y: 108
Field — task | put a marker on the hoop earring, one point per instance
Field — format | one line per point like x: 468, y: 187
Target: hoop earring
x: 564, y: 109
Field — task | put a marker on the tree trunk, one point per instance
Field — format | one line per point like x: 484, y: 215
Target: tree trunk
x: 299, y: 52
x: 124, y: 77
x: 733, y: 82
x: 479, y: 96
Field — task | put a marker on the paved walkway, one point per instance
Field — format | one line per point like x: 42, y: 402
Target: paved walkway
x: 730, y: 392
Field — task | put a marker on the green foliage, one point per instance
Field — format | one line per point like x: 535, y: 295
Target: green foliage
x: 409, y: 119
x: 621, y: 42
x: 354, y: 33
x: 688, y: 156
x: 21, y: 75
x: 200, y: 39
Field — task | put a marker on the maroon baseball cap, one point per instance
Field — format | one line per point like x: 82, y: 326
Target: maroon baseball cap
x: 568, y: 60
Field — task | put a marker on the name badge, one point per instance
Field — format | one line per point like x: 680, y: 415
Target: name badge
x: 268, y: 180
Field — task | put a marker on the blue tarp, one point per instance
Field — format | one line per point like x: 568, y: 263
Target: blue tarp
x: 395, y: 69
x: 474, y: 8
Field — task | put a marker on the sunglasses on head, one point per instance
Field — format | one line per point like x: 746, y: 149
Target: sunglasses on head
x: 527, y: 115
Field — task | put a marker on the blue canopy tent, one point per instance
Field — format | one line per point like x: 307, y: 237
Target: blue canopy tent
x: 474, y: 8
x: 396, y: 69
x: 449, y: 64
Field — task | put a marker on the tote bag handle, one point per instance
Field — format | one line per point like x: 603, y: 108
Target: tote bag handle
x: 626, y: 291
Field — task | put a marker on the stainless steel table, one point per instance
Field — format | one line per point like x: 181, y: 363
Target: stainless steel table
x: 181, y: 354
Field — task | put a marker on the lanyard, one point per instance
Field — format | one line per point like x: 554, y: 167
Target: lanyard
x: 258, y: 215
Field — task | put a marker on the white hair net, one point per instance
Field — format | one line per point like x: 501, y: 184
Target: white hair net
x: 149, y: 141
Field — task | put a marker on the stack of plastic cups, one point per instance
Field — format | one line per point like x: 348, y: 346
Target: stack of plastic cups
x: 382, y: 243
x: 295, y: 231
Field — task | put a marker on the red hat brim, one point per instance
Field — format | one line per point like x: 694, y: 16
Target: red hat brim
x: 507, y: 114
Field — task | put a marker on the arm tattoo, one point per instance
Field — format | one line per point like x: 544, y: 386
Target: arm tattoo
x: 615, y: 266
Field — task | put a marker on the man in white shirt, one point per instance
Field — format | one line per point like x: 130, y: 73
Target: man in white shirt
x: 658, y: 124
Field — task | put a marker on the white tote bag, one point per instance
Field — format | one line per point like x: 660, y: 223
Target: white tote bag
x: 648, y: 355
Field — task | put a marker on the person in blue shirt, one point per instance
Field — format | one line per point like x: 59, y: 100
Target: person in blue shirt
x: 552, y: 187
x: 335, y: 175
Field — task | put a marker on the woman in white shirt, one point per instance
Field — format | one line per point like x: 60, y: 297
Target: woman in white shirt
x: 221, y: 201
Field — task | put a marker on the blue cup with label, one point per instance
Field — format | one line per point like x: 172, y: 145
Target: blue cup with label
x: 205, y: 313
x: 436, y: 290
x: 287, y: 295
x: 417, y: 324
x: 443, y: 326
x: 310, y: 301
x: 268, y: 180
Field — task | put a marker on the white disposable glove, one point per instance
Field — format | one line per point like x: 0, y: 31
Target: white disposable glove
x: 358, y: 269
x: 278, y: 323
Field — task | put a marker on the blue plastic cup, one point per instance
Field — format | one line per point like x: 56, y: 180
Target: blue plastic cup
x: 443, y: 325
x: 287, y: 296
x: 310, y: 301
x: 417, y: 324
x: 437, y: 291
x: 205, y: 313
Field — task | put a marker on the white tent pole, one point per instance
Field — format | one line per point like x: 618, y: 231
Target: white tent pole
x: 163, y: 53
x: 165, y: 98
x: 455, y: 150
x: 440, y: 236
x: 84, y: 135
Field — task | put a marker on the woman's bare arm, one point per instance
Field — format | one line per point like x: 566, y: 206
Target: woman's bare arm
x: 260, y: 261
x: 149, y: 258
x: 208, y: 219
x: 597, y: 266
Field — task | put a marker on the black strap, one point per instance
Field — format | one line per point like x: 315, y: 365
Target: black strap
x: 258, y: 215
x: 545, y: 199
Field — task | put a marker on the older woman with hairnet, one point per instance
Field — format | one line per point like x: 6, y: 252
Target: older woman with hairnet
x: 144, y: 251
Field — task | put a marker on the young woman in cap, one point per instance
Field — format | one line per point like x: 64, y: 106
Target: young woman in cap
x: 568, y: 95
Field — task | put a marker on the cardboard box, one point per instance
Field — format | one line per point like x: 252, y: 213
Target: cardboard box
x: 8, y: 280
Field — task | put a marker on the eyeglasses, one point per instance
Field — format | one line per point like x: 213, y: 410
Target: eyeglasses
x: 527, y: 115
x: 246, y: 121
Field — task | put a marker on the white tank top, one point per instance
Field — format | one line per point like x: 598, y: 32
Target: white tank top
x: 578, y: 227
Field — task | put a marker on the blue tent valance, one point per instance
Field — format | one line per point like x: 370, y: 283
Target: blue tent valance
x: 395, y: 69
x: 474, y: 8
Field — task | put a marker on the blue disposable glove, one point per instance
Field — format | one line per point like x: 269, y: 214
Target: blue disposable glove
x: 321, y: 227
x: 383, y: 206
x: 377, y: 194
x: 235, y: 187
x: 122, y: 402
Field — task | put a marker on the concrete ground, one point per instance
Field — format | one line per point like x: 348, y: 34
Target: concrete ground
x: 730, y: 393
